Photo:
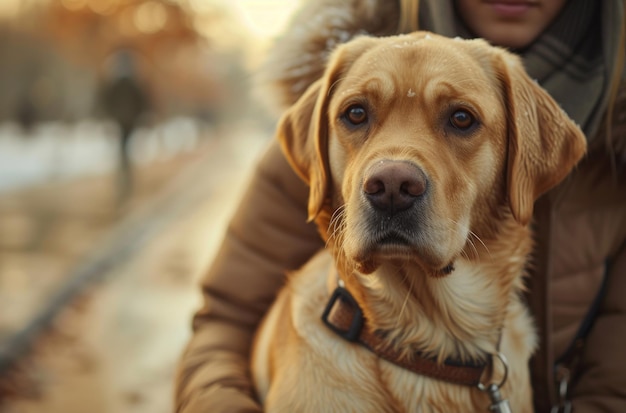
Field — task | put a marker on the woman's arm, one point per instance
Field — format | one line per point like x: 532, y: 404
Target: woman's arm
x: 267, y: 236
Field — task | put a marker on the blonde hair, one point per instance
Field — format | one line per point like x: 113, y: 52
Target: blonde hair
x: 409, y: 16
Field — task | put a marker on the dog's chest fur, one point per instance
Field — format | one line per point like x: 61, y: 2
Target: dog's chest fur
x: 327, y: 373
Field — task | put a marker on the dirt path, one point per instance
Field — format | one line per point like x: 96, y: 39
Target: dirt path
x: 115, y: 348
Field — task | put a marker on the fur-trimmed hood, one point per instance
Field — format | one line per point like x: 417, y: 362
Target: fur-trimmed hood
x: 299, y: 56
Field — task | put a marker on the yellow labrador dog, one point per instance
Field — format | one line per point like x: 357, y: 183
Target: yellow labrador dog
x: 424, y: 156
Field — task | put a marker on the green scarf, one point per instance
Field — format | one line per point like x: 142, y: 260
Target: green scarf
x: 573, y: 59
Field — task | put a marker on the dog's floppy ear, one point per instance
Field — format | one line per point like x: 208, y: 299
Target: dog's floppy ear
x: 303, y: 129
x: 302, y: 133
x: 544, y: 144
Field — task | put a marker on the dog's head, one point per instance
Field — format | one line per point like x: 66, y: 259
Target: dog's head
x: 415, y: 142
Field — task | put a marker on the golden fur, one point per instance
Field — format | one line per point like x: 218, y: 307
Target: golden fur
x: 443, y: 274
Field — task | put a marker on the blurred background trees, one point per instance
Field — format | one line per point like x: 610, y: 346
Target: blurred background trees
x: 56, y: 54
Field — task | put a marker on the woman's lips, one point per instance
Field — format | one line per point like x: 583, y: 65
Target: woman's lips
x: 510, y: 9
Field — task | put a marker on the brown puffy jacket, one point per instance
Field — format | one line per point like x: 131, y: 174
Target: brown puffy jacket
x: 581, y: 241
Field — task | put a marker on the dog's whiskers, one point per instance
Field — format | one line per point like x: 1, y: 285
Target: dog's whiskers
x: 336, y: 82
x: 337, y: 225
x: 473, y: 234
x: 406, y: 299
x: 456, y: 229
x: 474, y: 249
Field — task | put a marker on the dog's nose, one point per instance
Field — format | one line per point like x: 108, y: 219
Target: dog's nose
x: 394, y: 186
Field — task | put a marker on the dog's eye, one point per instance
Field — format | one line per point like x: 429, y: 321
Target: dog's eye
x: 355, y: 115
x: 462, y: 120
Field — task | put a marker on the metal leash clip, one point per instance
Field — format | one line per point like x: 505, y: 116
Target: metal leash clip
x: 562, y: 378
x: 498, y: 403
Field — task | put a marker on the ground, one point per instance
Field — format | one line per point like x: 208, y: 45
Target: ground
x: 114, y: 346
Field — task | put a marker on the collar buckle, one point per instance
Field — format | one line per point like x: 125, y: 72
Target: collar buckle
x: 349, y: 323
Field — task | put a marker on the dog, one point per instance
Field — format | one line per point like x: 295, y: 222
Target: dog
x: 424, y: 156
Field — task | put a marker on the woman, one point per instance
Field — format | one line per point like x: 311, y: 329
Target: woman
x: 575, y: 49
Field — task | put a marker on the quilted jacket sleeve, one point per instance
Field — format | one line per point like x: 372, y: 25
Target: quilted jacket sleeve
x: 267, y: 236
